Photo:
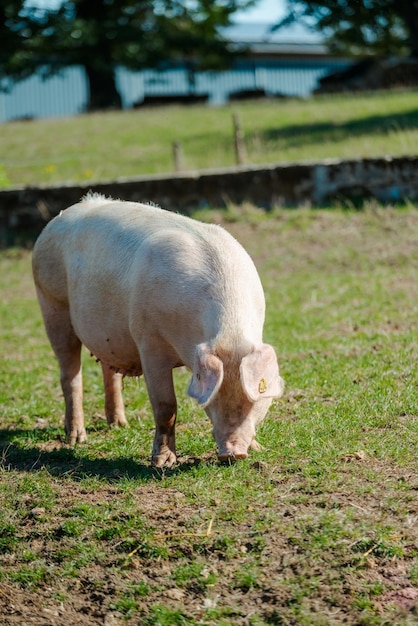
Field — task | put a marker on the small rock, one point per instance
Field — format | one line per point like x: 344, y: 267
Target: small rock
x: 360, y: 455
x: 37, y: 512
x: 210, y: 603
x: 356, y: 456
x: 52, y: 612
x: 175, y: 594
x: 113, y: 619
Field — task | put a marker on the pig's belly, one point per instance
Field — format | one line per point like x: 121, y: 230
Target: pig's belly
x: 128, y: 364
x: 116, y: 350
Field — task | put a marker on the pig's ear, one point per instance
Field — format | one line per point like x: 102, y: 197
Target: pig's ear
x: 259, y: 374
x: 208, y: 374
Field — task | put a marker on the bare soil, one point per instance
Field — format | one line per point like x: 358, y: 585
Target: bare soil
x: 88, y: 599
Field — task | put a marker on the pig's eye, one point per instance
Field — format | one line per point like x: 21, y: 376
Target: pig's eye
x: 197, y: 376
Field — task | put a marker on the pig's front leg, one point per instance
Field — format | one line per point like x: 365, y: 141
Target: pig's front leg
x: 114, y: 406
x: 159, y: 379
x: 164, y: 447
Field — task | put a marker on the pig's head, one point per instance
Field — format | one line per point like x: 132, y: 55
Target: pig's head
x: 236, y: 392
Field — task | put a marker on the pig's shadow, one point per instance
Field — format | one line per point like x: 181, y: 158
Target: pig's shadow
x: 62, y: 460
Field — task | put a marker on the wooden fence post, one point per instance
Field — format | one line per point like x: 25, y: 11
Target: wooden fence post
x: 239, y: 144
x: 178, y: 156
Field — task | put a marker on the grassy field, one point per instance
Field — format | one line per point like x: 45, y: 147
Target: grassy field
x: 320, y: 528
x: 131, y: 143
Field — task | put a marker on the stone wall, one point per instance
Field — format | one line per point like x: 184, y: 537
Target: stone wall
x: 24, y: 211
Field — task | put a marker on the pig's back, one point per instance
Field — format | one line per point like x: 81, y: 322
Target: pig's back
x: 93, y: 238
x: 123, y: 261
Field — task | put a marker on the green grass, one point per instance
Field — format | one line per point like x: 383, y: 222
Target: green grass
x: 319, y: 528
x: 131, y: 143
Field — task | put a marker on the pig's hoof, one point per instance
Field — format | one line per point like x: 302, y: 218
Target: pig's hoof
x: 254, y: 445
x: 166, y: 458
x: 75, y: 436
x: 231, y: 458
x: 117, y: 422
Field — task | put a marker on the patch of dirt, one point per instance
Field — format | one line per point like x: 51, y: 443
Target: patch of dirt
x: 183, y: 530
x: 405, y: 599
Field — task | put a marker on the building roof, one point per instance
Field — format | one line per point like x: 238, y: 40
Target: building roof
x: 261, y: 39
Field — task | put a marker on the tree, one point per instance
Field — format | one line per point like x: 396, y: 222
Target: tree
x: 12, y: 31
x: 384, y: 27
x: 101, y: 35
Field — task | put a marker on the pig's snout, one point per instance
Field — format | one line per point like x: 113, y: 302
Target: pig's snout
x: 233, y: 450
x: 235, y: 440
x: 230, y: 457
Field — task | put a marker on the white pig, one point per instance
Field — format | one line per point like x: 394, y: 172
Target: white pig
x: 147, y: 290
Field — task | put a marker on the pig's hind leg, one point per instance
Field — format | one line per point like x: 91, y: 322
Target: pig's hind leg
x: 67, y: 348
x: 114, y: 406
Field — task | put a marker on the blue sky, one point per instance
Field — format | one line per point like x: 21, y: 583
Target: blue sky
x: 264, y: 11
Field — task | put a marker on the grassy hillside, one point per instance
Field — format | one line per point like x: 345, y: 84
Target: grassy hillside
x: 130, y: 143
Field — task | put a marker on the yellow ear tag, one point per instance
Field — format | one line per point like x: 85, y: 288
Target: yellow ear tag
x: 262, y: 386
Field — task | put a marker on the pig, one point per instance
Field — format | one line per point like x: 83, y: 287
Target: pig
x: 147, y: 290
